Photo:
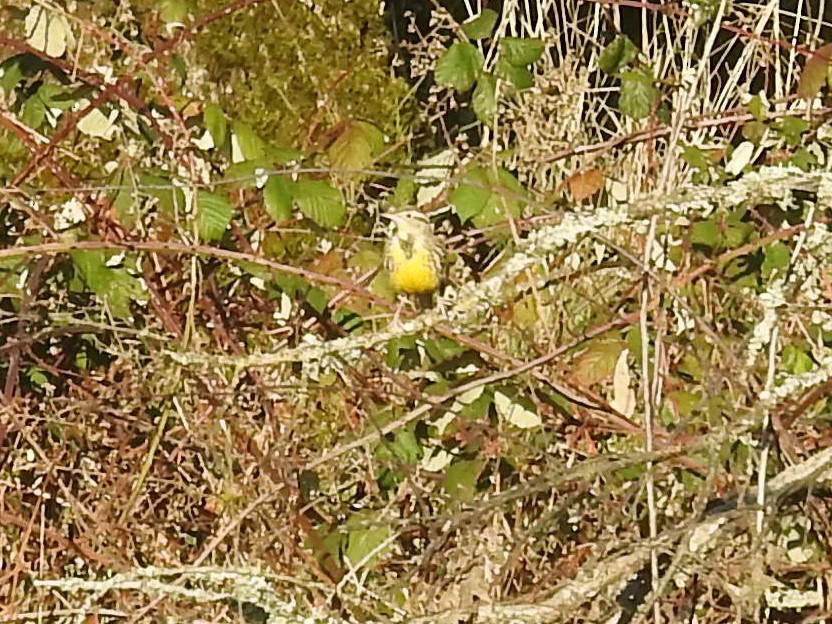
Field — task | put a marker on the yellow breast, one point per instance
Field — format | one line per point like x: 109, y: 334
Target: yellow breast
x: 413, y: 274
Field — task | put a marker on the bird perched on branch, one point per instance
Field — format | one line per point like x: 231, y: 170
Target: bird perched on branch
x: 413, y: 256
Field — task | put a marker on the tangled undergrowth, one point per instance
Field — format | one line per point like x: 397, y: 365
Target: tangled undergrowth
x: 615, y: 411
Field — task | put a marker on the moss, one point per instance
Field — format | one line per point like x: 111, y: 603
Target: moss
x: 291, y: 72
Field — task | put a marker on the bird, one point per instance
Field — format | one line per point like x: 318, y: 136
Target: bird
x: 413, y: 256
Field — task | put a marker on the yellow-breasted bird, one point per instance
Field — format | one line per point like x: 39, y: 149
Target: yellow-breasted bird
x: 413, y: 255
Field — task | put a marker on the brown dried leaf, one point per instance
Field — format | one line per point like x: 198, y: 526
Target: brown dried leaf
x: 813, y: 76
x: 583, y: 185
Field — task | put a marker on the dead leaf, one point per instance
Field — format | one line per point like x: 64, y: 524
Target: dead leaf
x: 623, y: 396
x: 585, y: 184
x: 813, y: 76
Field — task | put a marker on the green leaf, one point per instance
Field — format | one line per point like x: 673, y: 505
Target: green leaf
x: 521, y: 51
x: 245, y: 144
x: 213, y: 215
x: 460, y: 480
x: 33, y: 112
x: 357, y: 146
x: 617, y: 55
x: 487, y: 197
x: 170, y: 198
x: 113, y: 285
x: 697, y: 157
x: 777, y: 256
x: 402, y: 447
x: 518, y: 77
x: 277, y: 197
x: 173, y: 11
x: 705, y: 233
x: 442, y: 349
x: 404, y: 194
x: 754, y: 131
x: 11, y: 73
x: 638, y: 94
x: 369, y: 534
x: 459, y: 67
x: 56, y: 96
x: 796, y: 361
x: 321, y: 203
x: 481, y: 26
x: 791, y: 129
x: 484, y: 100
x: 214, y: 119
x: 755, y: 107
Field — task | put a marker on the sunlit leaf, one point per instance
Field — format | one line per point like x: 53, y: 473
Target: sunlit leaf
x: 113, y: 285
x: 638, y: 93
x: 460, y: 480
x: 515, y: 413
x: 357, y: 147
x: 484, y: 100
x: 617, y: 55
x: 214, y: 119
x: 277, y: 197
x: 481, y: 26
x: 521, y: 51
x: 214, y: 215
x: 321, y: 203
x: 459, y: 67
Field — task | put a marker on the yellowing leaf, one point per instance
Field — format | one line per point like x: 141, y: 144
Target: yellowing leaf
x: 47, y: 32
x: 598, y: 362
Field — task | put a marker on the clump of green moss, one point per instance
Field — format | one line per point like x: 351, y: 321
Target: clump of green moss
x: 291, y: 71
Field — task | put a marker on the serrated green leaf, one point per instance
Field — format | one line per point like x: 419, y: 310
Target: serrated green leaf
x: 213, y: 118
x: 213, y: 215
x: 113, y: 285
x: 487, y: 197
x: 277, y: 197
x: 245, y: 144
x: 617, y: 55
x: 481, y: 26
x: 518, y: 77
x: 459, y: 67
x: 777, y: 257
x: 791, y: 129
x: 356, y: 147
x: 321, y: 203
x: 484, y: 100
x: 170, y: 198
x: 519, y: 51
x: 460, y: 481
x: 638, y: 93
